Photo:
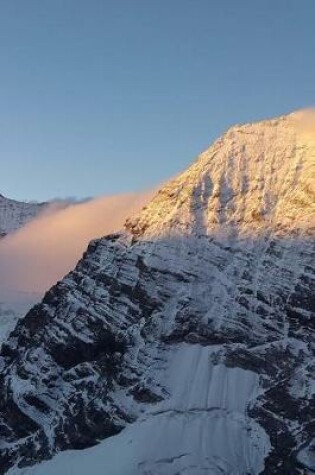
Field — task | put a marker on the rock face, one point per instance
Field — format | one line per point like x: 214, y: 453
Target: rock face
x: 193, y: 329
x: 15, y: 214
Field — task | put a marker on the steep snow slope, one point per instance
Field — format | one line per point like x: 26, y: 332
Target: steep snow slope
x: 193, y: 330
x: 202, y: 427
x: 14, y: 214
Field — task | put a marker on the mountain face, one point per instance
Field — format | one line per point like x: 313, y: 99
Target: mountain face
x: 14, y: 305
x: 15, y: 214
x: 191, y: 333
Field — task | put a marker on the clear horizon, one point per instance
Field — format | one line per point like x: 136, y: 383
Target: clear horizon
x: 101, y: 98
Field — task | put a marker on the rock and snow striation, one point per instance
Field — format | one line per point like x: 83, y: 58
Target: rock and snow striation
x: 15, y: 214
x: 187, y: 340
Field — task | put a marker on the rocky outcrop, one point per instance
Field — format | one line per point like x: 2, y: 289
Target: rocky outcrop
x: 215, y: 280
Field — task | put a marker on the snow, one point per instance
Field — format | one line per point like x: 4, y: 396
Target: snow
x: 306, y: 456
x: 15, y: 214
x: 202, y: 427
x: 255, y: 178
x: 222, y: 254
x: 14, y: 305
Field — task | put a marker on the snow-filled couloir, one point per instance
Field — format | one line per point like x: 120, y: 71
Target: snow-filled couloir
x: 187, y: 340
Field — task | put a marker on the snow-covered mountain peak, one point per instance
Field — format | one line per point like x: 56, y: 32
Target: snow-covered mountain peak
x: 256, y: 177
x: 191, y: 334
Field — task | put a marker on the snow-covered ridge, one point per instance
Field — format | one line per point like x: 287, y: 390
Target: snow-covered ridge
x: 256, y: 177
x: 15, y: 214
x: 208, y: 293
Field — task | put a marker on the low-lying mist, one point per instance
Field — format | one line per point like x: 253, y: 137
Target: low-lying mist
x: 42, y: 252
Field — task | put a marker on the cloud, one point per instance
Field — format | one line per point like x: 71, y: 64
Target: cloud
x: 43, y: 251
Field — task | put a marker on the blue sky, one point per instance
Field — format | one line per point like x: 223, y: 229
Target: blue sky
x: 108, y: 96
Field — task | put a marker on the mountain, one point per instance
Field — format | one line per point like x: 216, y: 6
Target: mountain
x: 13, y: 305
x: 15, y: 214
x: 189, y: 336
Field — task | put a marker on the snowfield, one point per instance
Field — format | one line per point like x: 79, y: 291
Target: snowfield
x: 202, y: 427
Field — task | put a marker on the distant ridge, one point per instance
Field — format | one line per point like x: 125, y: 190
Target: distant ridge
x: 15, y: 214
